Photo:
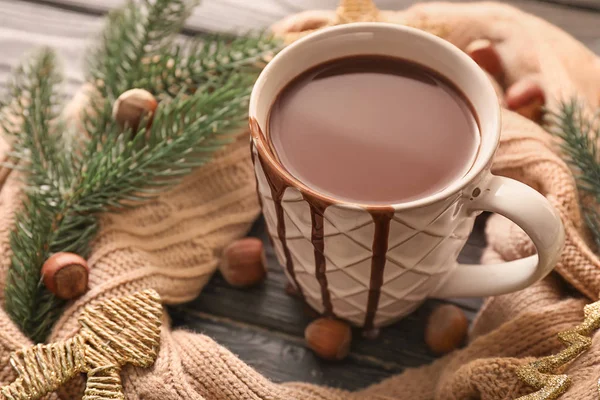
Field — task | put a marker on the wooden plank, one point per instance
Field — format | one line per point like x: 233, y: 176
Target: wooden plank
x: 268, y: 306
x: 223, y: 15
x: 286, y: 6
x: 284, y: 358
x: 227, y: 15
x: 25, y: 25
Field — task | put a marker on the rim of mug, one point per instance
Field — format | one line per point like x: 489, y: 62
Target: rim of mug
x: 480, y: 163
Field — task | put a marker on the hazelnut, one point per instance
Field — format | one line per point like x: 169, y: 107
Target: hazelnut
x: 132, y: 107
x: 66, y: 275
x: 329, y: 338
x: 527, y: 98
x: 244, y: 263
x: 446, y: 329
x: 483, y: 52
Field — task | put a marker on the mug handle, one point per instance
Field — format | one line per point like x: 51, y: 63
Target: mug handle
x: 534, y: 214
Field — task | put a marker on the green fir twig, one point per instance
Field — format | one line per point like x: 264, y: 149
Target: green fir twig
x: 134, y: 33
x: 204, y: 91
x: 36, y: 142
x: 579, y: 134
x: 200, y: 63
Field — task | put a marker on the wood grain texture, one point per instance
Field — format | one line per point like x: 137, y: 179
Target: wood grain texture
x: 264, y: 325
x: 227, y: 14
x: 284, y: 358
x: 269, y: 307
x: 25, y: 25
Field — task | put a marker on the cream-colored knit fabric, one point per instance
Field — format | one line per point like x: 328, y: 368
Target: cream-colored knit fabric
x: 172, y: 244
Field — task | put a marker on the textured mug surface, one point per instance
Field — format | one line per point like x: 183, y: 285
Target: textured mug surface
x: 372, y: 265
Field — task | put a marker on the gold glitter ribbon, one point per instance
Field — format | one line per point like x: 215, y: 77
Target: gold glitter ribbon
x: 537, y: 373
x: 125, y: 330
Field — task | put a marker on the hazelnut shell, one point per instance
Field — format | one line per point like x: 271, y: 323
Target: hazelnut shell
x: 66, y: 275
x: 132, y: 106
x: 446, y: 329
x: 243, y: 262
x: 484, y: 53
x: 527, y: 98
x: 329, y: 338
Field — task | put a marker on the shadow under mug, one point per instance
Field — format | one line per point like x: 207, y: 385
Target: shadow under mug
x: 372, y: 265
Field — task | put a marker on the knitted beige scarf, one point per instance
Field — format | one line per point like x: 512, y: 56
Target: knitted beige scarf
x: 172, y: 244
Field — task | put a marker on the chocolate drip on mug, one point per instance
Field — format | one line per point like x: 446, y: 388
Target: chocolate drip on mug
x: 253, y: 158
x: 317, y: 209
x: 278, y: 186
x: 381, y: 215
x: 260, y: 202
x: 381, y: 219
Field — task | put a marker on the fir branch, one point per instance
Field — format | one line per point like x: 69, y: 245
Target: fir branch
x: 66, y: 192
x: 185, y: 132
x: 70, y: 183
x: 120, y: 170
x: 134, y: 32
x: 580, y: 144
x: 579, y: 136
x: 200, y: 63
x: 38, y: 148
x: 592, y: 218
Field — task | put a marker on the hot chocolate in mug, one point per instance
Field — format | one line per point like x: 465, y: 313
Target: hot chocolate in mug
x: 373, y: 264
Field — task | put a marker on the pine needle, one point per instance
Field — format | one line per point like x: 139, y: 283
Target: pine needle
x: 579, y: 136
x: 134, y: 33
x: 36, y: 143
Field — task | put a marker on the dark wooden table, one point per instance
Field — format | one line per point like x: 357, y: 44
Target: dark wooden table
x: 263, y: 325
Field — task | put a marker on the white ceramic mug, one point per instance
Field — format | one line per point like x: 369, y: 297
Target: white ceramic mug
x: 334, y: 270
